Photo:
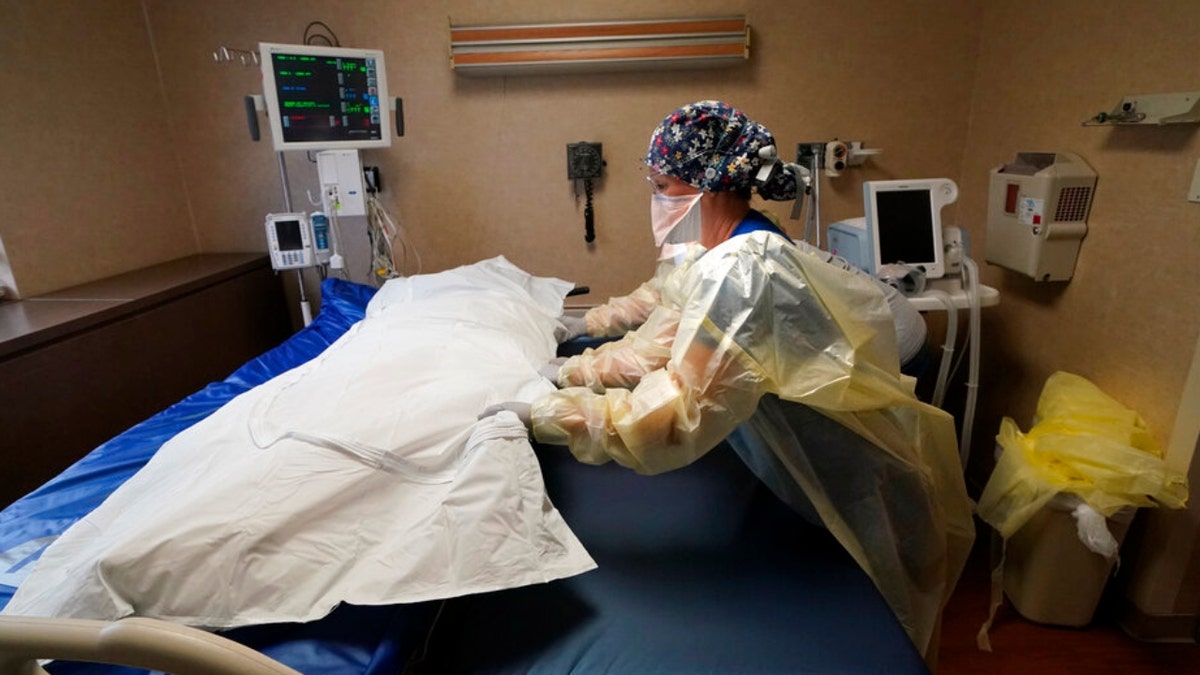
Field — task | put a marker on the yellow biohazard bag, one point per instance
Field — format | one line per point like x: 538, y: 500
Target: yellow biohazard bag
x: 1089, y: 448
x: 1084, y: 443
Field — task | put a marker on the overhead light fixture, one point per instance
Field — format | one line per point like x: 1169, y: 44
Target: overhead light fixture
x: 599, y: 46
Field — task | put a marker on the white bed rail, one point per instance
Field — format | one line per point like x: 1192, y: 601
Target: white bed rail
x: 136, y: 641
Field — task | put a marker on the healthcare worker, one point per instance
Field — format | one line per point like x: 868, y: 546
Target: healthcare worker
x: 696, y: 197
x: 704, y: 162
x: 755, y: 334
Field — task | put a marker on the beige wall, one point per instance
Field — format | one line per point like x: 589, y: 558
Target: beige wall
x: 92, y: 183
x: 482, y: 168
x: 1129, y: 319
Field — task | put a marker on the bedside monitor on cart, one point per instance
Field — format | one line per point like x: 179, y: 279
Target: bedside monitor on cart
x: 904, y: 223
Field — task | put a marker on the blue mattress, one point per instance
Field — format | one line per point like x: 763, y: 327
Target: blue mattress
x: 700, y: 570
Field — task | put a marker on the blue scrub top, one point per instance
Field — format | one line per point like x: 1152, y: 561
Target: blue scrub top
x: 756, y: 221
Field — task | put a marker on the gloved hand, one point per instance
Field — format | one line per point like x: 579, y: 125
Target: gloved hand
x: 521, y: 409
x: 569, y: 328
x: 550, y: 370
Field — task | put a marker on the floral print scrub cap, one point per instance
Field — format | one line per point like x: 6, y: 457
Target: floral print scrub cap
x: 713, y: 146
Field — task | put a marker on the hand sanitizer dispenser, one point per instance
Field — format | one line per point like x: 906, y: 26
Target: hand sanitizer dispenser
x: 1037, y: 214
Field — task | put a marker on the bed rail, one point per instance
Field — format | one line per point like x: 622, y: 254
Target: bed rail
x: 135, y: 641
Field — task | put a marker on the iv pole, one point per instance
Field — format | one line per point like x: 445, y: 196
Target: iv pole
x: 253, y: 104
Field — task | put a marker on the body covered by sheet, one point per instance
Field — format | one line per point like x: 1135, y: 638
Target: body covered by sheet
x: 361, y: 476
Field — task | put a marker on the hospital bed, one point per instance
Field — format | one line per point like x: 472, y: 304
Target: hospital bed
x: 700, y: 569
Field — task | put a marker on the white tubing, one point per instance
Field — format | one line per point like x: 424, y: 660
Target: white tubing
x: 939, y: 389
x: 305, y: 310
x: 971, y: 276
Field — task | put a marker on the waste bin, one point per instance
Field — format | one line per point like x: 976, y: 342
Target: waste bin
x: 1087, y: 457
x: 1050, y: 576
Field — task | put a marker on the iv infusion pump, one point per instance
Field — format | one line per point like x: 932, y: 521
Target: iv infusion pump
x: 296, y: 241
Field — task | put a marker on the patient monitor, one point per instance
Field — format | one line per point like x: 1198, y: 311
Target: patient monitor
x: 325, y: 98
x: 904, y: 223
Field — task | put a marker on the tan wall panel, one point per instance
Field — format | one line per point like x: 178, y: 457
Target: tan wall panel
x: 93, y: 185
x: 482, y: 169
x: 1128, y: 320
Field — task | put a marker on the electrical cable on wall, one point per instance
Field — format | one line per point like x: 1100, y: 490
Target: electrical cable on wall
x: 380, y: 233
x: 312, y: 37
x: 384, y: 234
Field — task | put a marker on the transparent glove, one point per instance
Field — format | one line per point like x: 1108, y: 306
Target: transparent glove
x: 623, y: 363
x: 519, y: 408
x: 569, y: 328
x: 625, y: 313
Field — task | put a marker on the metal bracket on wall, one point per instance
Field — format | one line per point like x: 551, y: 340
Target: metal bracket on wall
x: 230, y: 54
x: 1181, y: 108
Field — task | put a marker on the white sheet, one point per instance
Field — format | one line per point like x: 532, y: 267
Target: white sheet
x: 361, y: 476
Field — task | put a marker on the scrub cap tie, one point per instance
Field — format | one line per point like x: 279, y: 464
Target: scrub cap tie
x: 713, y: 146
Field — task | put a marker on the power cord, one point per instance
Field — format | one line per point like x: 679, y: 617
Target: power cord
x: 384, y: 234
x: 310, y: 37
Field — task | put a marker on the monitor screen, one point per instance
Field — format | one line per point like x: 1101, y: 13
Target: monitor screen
x: 904, y: 222
x: 287, y: 232
x: 905, y: 227
x: 325, y: 98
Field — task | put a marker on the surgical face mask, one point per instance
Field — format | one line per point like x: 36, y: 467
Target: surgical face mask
x: 675, y: 220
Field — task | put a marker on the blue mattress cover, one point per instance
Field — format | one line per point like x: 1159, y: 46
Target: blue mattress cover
x: 700, y: 570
